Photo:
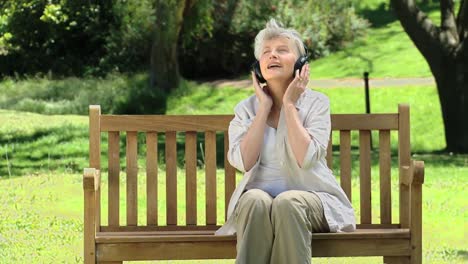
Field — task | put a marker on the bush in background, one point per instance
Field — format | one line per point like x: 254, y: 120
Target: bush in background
x: 76, y: 38
x: 117, y: 93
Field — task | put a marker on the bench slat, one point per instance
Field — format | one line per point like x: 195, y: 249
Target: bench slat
x: 171, y: 178
x: 132, y: 180
x: 164, y: 123
x: 202, y: 123
x: 230, y: 176
x: 152, y: 178
x: 113, y: 180
x: 191, y: 177
x: 330, y: 152
x: 345, y: 161
x: 385, y: 177
x: 210, y: 170
x: 365, y: 176
x: 364, y: 121
x: 404, y: 156
x: 95, y: 153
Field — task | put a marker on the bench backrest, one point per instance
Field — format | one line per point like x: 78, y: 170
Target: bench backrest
x: 154, y: 127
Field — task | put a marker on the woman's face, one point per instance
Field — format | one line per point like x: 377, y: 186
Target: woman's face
x: 277, y: 59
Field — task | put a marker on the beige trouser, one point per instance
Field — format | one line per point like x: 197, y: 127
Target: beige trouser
x: 277, y: 230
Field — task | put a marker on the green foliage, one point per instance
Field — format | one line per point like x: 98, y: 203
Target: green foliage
x: 68, y: 37
x: 325, y: 26
x: 198, y: 23
x: 128, y: 43
x: 74, y: 37
x: 60, y: 36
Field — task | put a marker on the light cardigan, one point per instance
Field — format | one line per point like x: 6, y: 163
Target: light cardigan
x: 314, y: 176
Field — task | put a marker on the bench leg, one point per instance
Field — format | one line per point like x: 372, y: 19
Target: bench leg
x: 396, y: 260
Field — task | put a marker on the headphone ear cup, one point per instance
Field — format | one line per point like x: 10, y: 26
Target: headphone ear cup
x: 258, y: 72
x: 299, y: 63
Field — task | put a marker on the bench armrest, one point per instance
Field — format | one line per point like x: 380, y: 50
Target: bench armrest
x: 91, y: 185
x: 417, y: 171
x: 413, y: 174
x: 91, y: 178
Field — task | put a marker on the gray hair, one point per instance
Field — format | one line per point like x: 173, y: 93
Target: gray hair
x: 273, y: 30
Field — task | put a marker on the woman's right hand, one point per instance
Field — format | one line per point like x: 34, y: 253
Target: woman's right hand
x: 265, y: 100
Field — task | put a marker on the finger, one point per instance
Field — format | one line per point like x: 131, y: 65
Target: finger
x: 255, y: 81
x: 303, y: 71
x: 306, y: 73
x: 298, y: 76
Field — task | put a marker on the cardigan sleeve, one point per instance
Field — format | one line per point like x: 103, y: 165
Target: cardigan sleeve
x: 238, y: 127
x: 318, y: 125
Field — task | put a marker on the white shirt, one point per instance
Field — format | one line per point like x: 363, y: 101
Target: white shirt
x: 314, y: 176
x: 268, y: 176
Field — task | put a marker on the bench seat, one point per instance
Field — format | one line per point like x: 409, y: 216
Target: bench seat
x: 203, y: 244
x: 208, y: 235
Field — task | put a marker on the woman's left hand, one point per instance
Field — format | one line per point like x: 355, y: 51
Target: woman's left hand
x: 297, y: 86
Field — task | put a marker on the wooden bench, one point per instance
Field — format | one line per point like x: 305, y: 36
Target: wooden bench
x: 377, y: 234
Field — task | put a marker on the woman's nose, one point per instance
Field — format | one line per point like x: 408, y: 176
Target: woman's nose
x: 273, y: 54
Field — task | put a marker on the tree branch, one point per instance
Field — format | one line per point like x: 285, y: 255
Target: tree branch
x: 188, y: 7
x: 449, y: 32
x: 421, y: 30
x: 462, y: 20
x: 462, y: 50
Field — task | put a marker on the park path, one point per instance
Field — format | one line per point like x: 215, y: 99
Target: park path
x: 346, y: 82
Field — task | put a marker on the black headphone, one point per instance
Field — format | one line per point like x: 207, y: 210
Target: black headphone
x: 297, y: 66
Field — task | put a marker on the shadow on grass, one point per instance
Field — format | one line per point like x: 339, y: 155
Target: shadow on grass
x: 44, y: 150
x: 66, y: 149
x: 463, y: 254
x: 431, y: 158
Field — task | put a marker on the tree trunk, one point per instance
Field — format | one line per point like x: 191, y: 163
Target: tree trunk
x: 452, y: 85
x: 165, y: 74
x: 445, y: 49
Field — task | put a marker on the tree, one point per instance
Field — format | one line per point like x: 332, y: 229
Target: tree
x: 445, y: 49
x: 164, y: 67
x: 171, y: 16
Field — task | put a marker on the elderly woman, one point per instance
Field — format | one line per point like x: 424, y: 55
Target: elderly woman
x: 279, y: 138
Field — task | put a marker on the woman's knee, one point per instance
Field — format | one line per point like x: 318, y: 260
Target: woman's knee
x: 286, y: 202
x: 256, y: 199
